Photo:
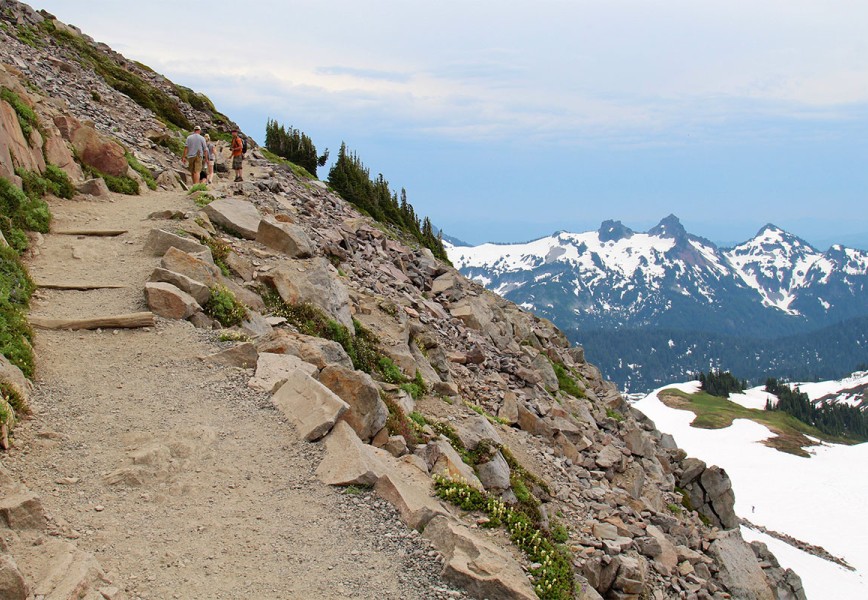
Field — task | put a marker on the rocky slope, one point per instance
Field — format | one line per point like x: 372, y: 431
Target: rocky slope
x: 511, y: 409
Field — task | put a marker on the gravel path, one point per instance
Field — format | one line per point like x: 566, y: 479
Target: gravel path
x: 183, y: 482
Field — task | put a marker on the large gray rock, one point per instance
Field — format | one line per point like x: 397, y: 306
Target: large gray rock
x: 287, y: 238
x: 314, y: 281
x: 443, y: 459
x: 160, y: 240
x: 272, y: 369
x: 494, y: 474
x: 190, y: 266
x: 475, y: 429
x: 310, y: 406
x: 235, y: 216
x: 367, y: 412
x: 347, y: 460
x: 317, y: 351
x: 475, y: 564
x: 739, y: 571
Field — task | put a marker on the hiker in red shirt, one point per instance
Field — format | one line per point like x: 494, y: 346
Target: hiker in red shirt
x: 237, y: 151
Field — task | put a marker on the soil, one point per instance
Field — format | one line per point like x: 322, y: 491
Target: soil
x: 181, y: 480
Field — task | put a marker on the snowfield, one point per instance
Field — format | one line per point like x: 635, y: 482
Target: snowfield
x: 820, y: 500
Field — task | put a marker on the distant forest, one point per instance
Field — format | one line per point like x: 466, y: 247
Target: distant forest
x: 640, y: 360
x: 833, y: 419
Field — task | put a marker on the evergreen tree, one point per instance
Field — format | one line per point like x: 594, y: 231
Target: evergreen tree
x: 352, y: 181
x: 293, y: 145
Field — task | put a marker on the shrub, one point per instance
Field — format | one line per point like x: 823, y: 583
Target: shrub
x: 415, y: 388
x: 61, y: 185
x: 198, y: 187
x: 121, y: 185
x: 390, y: 371
x: 223, y: 306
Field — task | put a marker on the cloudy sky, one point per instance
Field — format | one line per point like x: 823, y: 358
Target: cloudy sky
x: 507, y: 120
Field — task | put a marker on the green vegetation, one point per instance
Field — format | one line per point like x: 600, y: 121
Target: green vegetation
x: 293, y: 145
x: 225, y: 307
x: 21, y: 211
x: 142, y: 170
x: 566, y: 381
x: 120, y: 76
x: 720, y: 383
x: 553, y: 579
x: 832, y: 419
x: 351, y: 179
x: 59, y: 182
x: 713, y: 412
x: 203, y: 199
x: 198, y: 187
x: 29, y: 35
x: 27, y: 119
x: 614, y: 414
x: 415, y: 387
x: 397, y: 423
x: 16, y: 287
x: 310, y: 320
x: 220, y: 253
x: 173, y: 144
x: 233, y: 336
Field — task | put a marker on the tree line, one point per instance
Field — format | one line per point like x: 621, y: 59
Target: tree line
x: 352, y: 180
x: 720, y: 383
x: 834, y: 419
x: 293, y: 145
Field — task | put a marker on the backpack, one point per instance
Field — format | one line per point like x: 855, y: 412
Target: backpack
x: 243, y: 146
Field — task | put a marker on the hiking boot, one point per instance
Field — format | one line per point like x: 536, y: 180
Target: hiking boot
x: 238, y: 179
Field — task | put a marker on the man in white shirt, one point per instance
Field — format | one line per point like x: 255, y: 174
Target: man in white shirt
x: 195, y: 151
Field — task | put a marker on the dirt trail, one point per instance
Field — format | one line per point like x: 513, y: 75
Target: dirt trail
x: 183, y: 482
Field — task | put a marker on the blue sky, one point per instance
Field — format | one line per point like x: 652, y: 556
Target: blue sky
x: 507, y: 120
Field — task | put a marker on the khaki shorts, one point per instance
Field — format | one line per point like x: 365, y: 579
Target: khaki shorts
x: 194, y: 164
x: 236, y: 162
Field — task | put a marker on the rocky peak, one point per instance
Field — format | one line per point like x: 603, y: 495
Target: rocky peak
x: 669, y: 227
x: 612, y: 231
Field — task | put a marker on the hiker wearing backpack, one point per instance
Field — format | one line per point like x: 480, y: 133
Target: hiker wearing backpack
x: 237, y: 148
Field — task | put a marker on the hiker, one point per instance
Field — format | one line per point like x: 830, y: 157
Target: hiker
x: 195, y: 152
x: 211, y: 157
x: 237, y: 151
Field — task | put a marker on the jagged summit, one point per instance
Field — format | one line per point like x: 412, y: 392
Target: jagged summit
x: 670, y: 227
x: 613, y: 231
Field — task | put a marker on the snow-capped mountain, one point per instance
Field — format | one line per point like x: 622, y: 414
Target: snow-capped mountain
x: 614, y: 277
x: 664, y: 303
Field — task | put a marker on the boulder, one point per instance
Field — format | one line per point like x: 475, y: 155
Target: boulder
x: 475, y: 429
x: 160, y: 240
x: 310, y: 406
x: 190, y: 266
x: 287, y: 238
x: 494, y: 474
x: 21, y: 509
x: 236, y: 216
x: 243, y: 356
x: 347, y: 460
x: 166, y: 300
x: 97, y: 151
x: 199, y: 291
x: 409, y: 490
x: 443, y: 459
x: 317, y: 351
x: 15, y: 150
x: 609, y: 456
x: 475, y: 564
x: 313, y: 281
x: 739, y: 570
x: 367, y: 412
x: 94, y: 187
x: 272, y: 369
